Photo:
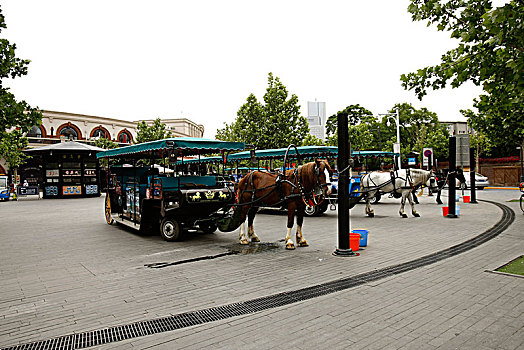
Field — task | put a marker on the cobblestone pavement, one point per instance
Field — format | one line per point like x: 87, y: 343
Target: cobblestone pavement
x: 64, y: 270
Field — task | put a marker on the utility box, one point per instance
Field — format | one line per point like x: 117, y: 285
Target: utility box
x: 462, y: 150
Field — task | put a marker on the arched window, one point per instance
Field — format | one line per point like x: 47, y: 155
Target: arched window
x: 100, y: 132
x: 69, y: 132
x: 124, y: 136
x: 35, y: 132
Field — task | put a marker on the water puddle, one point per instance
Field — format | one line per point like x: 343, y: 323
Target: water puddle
x: 254, y: 248
x: 251, y: 248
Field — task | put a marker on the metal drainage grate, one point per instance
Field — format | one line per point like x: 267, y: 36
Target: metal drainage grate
x: 170, y: 323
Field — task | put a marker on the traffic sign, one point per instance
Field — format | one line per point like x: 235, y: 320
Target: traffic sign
x: 426, y: 154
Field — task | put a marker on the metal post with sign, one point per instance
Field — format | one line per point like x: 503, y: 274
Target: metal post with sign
x: 396, y: 149
x: 427, y: 157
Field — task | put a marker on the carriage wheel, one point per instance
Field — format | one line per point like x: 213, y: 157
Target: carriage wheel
x: 375, y: 199
x: 208, y: 227
x: 311, y: 210
x: 109, y: 218
x: 170, y: 230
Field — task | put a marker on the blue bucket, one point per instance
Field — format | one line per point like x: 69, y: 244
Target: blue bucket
x: 363, y: 237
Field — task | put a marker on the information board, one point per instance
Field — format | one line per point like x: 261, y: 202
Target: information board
x: 462, y: 150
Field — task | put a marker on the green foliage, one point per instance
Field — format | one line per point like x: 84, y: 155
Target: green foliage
x: 16, y: 117
x: 419, y: 128
x: 105, y: 143
x: 490, y: 54
x: 312, y: 140
x: 275, y: 123
x: 147, y: 133
x: 363, y: 128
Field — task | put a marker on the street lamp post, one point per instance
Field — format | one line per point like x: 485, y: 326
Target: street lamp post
x: 395, y: 118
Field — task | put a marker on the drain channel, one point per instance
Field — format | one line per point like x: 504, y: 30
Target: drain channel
x: 170, y: 323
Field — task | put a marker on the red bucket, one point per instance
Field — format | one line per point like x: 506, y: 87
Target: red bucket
x: 445, y: 211
x: 466, y: 199
x: 354, y: 241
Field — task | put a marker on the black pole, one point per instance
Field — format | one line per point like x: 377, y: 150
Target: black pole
x: 472, y: 167
x: 343, y: 187
x: 430, y: 167
x: 521, y: 164
x: 452, y: 176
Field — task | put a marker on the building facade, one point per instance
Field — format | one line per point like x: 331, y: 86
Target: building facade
x: 60, y: 126
x: 316, y: 118
x: 457, y: 128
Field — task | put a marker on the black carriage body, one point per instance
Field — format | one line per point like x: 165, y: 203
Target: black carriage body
x: 166, y: 200
x: 142, y: 200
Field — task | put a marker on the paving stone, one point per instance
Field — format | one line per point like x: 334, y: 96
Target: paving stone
x: 91, y: 275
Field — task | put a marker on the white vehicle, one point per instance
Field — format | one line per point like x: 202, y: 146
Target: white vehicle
x: 481, y: 181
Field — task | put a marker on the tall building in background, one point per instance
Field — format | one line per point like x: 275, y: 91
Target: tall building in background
x: 316, y: 118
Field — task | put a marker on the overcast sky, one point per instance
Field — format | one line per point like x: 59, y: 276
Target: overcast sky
x: 201, y: 59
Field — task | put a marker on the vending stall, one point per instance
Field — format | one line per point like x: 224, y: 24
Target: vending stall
x: 67, y: 169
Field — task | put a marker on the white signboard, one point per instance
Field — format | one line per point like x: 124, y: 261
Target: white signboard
x: 396, y: 147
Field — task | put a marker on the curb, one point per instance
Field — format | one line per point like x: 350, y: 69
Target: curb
x: 501, y: 188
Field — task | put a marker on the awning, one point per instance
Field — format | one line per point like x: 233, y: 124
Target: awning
x: 184, y: 145
x: 303, y: 151
x: 68, y: 146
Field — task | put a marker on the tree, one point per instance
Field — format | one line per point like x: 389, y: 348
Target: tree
x: 490, y: 54
x: 102, y: 142
x: 275, y: 123
x: 147, y: 133
x: 419, y: 128
x: 363, y: 128
x: 16, y: 117
x: 312, y: 140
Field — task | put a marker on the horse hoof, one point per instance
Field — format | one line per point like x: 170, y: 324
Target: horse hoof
x: 405, y: 216
x: 244, y: 242
x: 417, y: 215
x: 255, y: 239
x: 440, y: 202
x: 371, y: 215
x: 303, y: 244
x: 290, y: 246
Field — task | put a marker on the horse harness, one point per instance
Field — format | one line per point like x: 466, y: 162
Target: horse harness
x: 408, y: 182
x: 309, y: 198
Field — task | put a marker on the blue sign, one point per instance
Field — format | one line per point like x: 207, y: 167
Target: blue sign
x: 411, y: 161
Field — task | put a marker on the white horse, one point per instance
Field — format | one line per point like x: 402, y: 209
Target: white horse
x: 400, y: 182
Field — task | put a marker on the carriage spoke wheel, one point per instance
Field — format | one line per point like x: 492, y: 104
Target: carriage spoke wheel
x: 170, y: 230
x: 311, y: 210
x: 109, y: 219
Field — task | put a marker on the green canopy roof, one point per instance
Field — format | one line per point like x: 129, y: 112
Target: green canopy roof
x: 184, y: 145
x: 303, y: 151
x: 373, y: 154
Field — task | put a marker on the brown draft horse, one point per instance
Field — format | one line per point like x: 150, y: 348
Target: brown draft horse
x: 302, y: 185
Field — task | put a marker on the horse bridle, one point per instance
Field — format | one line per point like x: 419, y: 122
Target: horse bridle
x: 316, y: 196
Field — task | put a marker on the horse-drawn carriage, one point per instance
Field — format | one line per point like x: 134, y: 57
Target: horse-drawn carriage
x: 139, y: 195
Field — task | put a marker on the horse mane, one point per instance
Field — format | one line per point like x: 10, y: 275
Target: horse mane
x: 420, y: 173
